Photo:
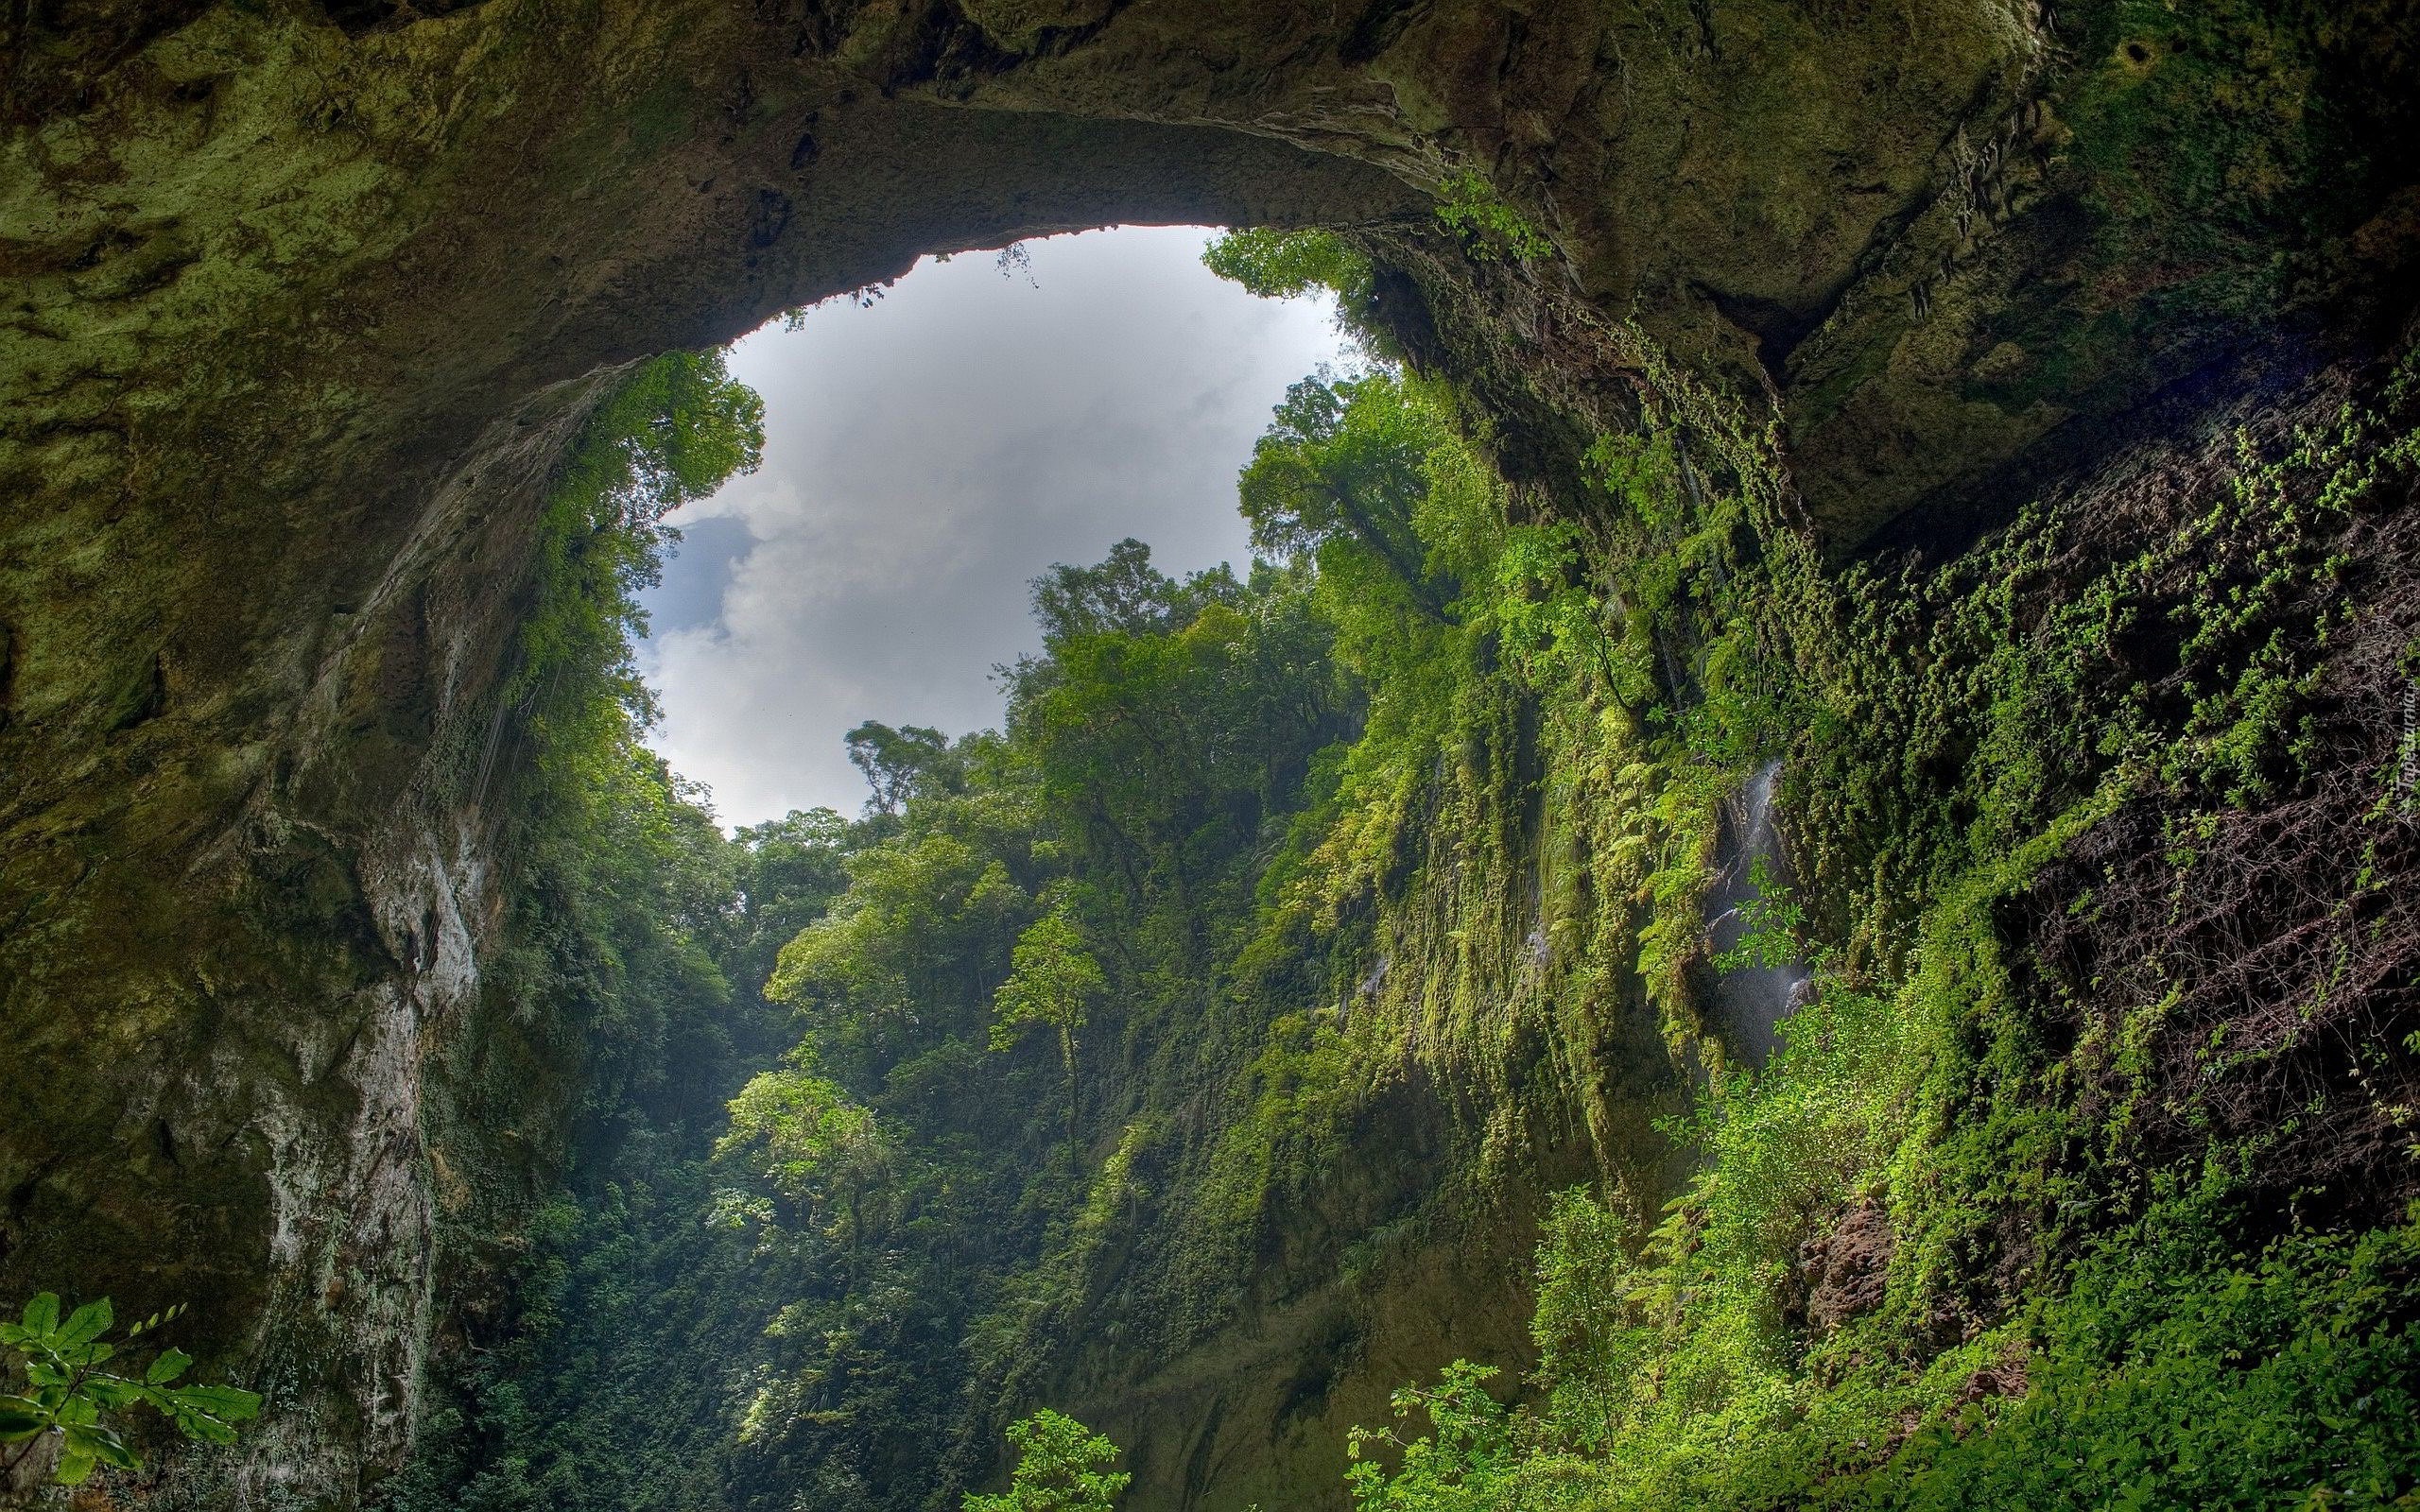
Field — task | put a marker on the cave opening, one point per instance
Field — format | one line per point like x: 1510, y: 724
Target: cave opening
x: 1824, y: 399
x: 859, y: 1066
x: 932, y: 446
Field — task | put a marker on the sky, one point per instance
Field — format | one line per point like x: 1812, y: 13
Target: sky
x: 926, y: 457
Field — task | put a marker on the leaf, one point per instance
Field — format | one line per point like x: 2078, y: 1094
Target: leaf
x: 113, y: 1392
x: 206, y: 1428
x: 84, y: 1325
x: 104, y: 1446
x: 231, y: 1402
x: 41, y: 1314
x: 20, y: 1420
x: 74, y: 1469
x: 171, y: 1363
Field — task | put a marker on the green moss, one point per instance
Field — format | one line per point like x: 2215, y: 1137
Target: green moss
x: 2058, y: 1279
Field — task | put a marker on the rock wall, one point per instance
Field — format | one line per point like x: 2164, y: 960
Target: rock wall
x: 304, y: 302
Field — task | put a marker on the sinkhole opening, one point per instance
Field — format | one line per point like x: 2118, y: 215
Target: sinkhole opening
x: 932, y: 448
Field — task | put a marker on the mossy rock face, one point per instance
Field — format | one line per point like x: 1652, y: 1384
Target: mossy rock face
x: 304, y: 302
x: 1021, y: 25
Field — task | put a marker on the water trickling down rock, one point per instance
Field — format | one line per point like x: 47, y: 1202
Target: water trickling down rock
x: 1749, y: 1003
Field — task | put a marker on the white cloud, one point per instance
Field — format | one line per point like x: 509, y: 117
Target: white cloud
x: 927, y: 456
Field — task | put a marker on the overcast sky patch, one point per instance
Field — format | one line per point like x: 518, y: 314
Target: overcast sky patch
x: 925, y: 458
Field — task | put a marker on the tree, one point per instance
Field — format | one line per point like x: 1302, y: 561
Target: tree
x: 67, y: 1392
x: 682, y: 427
x: 1126, y: 594
x: 815, y: 1144
x: 912, y: 949
x: 1284, y: 264
x: 1469, y: 1461
x: 1346, y: 459
x: 1059, y: 1469
x: 787, y: 871
x: 900, y: 764
x: 1051, y: 977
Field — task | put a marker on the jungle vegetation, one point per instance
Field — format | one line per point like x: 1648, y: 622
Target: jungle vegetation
x: 887, y: 1111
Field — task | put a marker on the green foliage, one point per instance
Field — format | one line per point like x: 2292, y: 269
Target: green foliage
x: 1464, y: 1463
x: 2183, y: 1369
x: 1061, y: 1468
x: 1289, y: 264
x: 1430, y: 799
x: 914, y: 1171
x: 900, y: 1178
x: 66, y: 1393
x: 1490, y: 229
x: 639, y: 1304
x: 1590, y: 1342
x: 785, y: 872
x: 1124, y: 594
x: 622, y: 874
x: 2176, y: 1369
x: 1051, y: 977
x: 633, y: 919
x: 1284, y: 264
x: 1550, y: 625
x: 1346, y: 461
x: 901, y: 763
x: 1773, y: 921
x: 916, y: 932
x: 1930, y: 1258
x: 2172, y: 1366
x: 817, y: 1147
x: 672, y: 432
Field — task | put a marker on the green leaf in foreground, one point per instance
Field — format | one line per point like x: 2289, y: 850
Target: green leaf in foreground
x: 71, y: 1393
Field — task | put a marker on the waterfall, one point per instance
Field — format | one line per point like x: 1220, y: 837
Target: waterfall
x: 1749, y: 1003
